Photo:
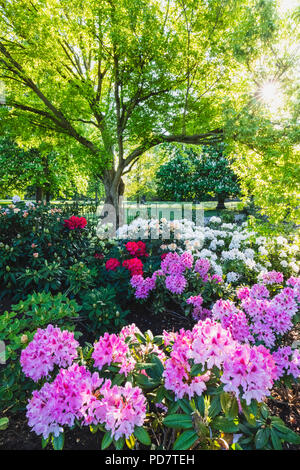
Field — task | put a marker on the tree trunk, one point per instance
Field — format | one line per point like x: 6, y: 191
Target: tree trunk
x: 39, y: 194
x: 221, y: 200
x: 112, y: 211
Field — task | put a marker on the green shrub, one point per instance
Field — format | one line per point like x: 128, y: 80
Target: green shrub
x: 102, y: 311
x: 17, y: 328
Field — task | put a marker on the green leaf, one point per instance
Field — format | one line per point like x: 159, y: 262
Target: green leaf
x: 119, y: 444
x: 199, y: 401
x: 220, y: 423
x: 276, y: 441
x: 292, y: 437
x: 185, y: 440
x: 142, y: 435
x: 185, y: 406
x: 45, y: 442
x: 178, y: 421
x: 58, y: 441
x: 262, y: 438
x: 3, y: 423
x: 106, y: 441
x: 215, y: 407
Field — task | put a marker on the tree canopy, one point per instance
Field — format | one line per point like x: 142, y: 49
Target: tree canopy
x: 117, y: 78
x: 197, y: 174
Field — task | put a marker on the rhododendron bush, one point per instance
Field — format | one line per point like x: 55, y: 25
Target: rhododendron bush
x: 235, y: 251
x: 136, y: 388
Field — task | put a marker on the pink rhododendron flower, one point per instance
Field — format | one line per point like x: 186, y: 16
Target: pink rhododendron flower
x: 113, y: 349
x: 250, y: 368
x: 122, y: 408
x: 49, y: 347
x: 211, y: 344
x: 177, y: 369
x: 60, y: 402
x: 272, y: 277
x: 243, y: 293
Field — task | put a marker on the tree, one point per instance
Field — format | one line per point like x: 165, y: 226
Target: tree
x: 189, y: 175
x: 119, y: 77
x: 42, y: 173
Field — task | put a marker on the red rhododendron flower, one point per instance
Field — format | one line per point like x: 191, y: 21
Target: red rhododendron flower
x: 75, y: 222
x: 134, y: 265
x: 112, y: 264
x: 136, y: 248
x: 163, y: 256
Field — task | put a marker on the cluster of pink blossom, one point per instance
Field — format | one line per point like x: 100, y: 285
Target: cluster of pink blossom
x: 176, y: 283
x: 232, y: 318
x: 122, y: 408
x: 174, y: 264
x: 287, y: 362
x: 211, y: 343
x: 71, y: 395
x: 217, y: 279
x: 243, y: 293
x: 129, y: 331
x: 142, y: 286
x: 295, y: 283
x: 202, y: 266
x: 77, y: 394
x: 272, y: 277
x: 177, y: 373
x: 198, y: 312
x: 259, y: 291
x: 260, y: 317
x: 113, y: 349
x: 251, y: 369
x: 249, y: 372
x: 49, y: 347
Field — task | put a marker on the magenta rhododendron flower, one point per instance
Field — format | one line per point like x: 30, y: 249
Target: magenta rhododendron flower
x: 75, y: 222
x: 112, y: 264
x: 48, y: 348
x: 287, y: 362
x: 243, y: 293
x: 202, y: 266
x: 134, y: 265
x: 176, y: 283
x: 142, y: 286
x: 136, y: 249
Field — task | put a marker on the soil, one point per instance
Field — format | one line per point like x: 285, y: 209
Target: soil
x: 18, y: 436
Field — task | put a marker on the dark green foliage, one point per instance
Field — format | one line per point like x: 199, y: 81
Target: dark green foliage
x: 190, y: 175
x: 101, y: 308
x: 17, y: 329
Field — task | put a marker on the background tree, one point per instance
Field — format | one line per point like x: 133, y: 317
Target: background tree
x: 190, y: 175
x: 39, y: 173
x: 119, y: 77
